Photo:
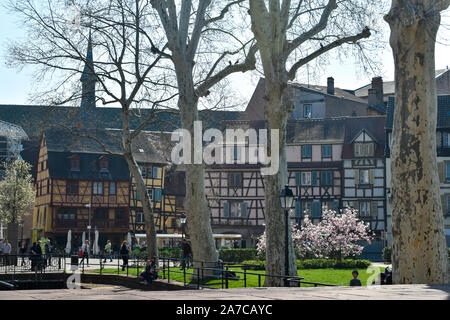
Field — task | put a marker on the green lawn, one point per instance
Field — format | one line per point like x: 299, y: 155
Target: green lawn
x: 340, y: 277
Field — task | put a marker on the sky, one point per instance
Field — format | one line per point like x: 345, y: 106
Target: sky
x: 16, y: 87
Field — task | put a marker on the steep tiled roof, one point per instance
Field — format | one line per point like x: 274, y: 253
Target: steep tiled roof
x: 373, y: 125
x: 443, y: 112
x: 388, y: 86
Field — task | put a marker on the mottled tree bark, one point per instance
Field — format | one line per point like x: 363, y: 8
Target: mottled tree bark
x: 419, y: 253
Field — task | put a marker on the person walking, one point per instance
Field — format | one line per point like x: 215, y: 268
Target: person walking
x: 124, y: 253
x: 23, y: 251
x: 187, y: 253
x: 108, y: 251
x: 36, y: 252
x: 85, y: 251
x: 6, y: 252
x: 48, y: 253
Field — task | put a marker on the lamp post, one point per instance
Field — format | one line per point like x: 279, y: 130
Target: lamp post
x: 89, y: 223
x: 183, y: 222
x: 286, y: 199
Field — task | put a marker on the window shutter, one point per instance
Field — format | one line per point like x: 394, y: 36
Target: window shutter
x: 155, y: 172
x: 314, y: 178
x: 316, y: 209
x: 226, y: 209
x: 356, y: 177
x: 158, y: 194
x: 335, y: 206
x: 298, y: 178
x: 298, y: 209
x: 441, y: 171
x: 244, y: 209
x: 371, y: 176
x: 137, y: 196
x: 374, y: 209
x: 356, y: 205
x: 323, y: 176
x: 445, y: 134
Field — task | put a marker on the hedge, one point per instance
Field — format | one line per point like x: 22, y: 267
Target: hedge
x: 238, y: 255
x: 316, y: 264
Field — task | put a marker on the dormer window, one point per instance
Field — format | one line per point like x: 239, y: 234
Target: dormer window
x: 104, y: 164
x: 363, y: 149
x: 74, y: 163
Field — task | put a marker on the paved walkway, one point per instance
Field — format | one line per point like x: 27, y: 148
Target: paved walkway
x: 103, y: 292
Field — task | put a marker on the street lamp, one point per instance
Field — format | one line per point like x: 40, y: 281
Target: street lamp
x: 183, y: 219
x: 89, y: 205
x: 286, y: 199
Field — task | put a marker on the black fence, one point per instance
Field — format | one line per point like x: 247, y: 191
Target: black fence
x: 200, y: 275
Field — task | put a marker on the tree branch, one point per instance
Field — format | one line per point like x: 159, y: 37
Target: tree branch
x: 351, y: 39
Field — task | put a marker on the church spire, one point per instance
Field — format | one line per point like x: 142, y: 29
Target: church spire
x: 88, y: 79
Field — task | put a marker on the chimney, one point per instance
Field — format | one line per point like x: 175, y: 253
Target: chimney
x: 330, y: 85
x: 377, y: 85
x: 373, y: 100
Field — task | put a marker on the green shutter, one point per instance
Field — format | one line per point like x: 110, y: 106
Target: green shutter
x: 298, y: 181
x: 244, y: 209
x: 137, y: 196
x: 336, y: 205
x: 155, y: 172
x: 226, y: 209
x: 316, y: 209
x: 158, y: 194
x: 314, y: 178
x: 298, y: 209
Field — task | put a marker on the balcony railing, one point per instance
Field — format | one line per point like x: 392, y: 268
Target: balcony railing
x: 100, y: 224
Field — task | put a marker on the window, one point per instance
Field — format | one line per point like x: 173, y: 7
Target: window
x: 364, y: 209
x: 307, y: 111
x: 121, y: 214
x: 67, y: 214
x: 445, y: 139
x: 72, y: 187
x: 140, y: 217
x: 306, y: 151
x: 326, y: 178
x: 143, y: 171
x: 306, y: 178
x: 101, y: 214
x: 326, y: 151
x: 112, y: 188
x: 104, y: 164
x: 75, y: 163
x: 235, y: 209
x: 98, y: 188
x: 150, y: 192
x: 447, y: 212
x: 364, y: 176
x: 363, y: 149
x: 234, y: 179
x: 327, y: 205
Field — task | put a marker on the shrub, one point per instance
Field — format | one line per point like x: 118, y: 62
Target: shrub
x: 238, y: 255
x: 387, y: 251
x: 316, y: 264
x: 255, y: 265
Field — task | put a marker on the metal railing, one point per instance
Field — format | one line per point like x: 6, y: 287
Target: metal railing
x: 200, y: 276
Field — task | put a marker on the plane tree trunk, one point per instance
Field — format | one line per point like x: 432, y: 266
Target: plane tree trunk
x: 419, y: 253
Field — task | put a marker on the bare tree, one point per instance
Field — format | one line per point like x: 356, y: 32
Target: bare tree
x: 285, y: 30
x: 122, y: 73
x: 202, y: 41
x: 418, y: 241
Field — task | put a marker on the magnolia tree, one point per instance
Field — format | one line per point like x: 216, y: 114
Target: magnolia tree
x: 336, y: 236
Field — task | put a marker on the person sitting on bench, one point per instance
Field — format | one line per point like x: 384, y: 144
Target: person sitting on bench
x: 150, y: 273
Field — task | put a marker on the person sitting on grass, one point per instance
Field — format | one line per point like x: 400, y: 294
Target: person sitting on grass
x: 355, y: 282
x: 150, y: 273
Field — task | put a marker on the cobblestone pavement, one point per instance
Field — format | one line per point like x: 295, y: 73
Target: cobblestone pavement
x: 104, y: 292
